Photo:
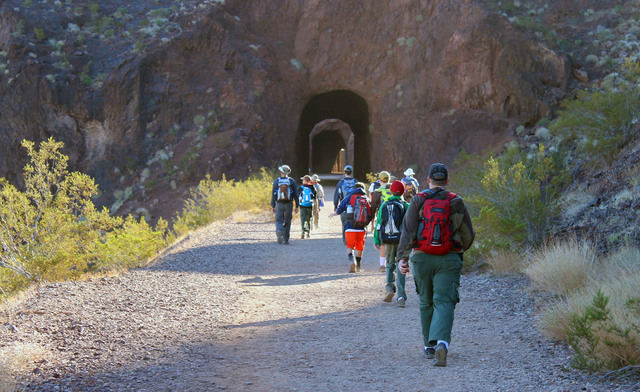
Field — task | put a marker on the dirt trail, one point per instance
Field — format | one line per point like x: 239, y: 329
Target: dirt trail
x: 228, y: 309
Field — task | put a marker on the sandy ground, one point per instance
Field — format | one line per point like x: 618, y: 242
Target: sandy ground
x: 228, y: 309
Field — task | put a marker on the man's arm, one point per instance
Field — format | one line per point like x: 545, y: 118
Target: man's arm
x: 336, y: 195
x: 410, y: 227
x: 273, y: 193
x: 462, y: 222
x: 295, y: 191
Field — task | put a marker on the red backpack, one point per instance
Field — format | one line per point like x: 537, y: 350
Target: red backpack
x: 434, y: 230
x: 361, y: 211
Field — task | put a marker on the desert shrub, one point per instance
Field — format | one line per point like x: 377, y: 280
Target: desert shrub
x: 599, y: 123
x: 52, y: 231
x: 512, y: 200
x: 599, y: 340
x: 213, y: 200
x: 562, y: 267
x: 131, y: 244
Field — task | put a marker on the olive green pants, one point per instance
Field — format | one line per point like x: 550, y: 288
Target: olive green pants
x: 437, y: 281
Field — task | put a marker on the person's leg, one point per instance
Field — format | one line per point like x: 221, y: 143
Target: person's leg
x: 423, y: 270
x: 280, y: 216
x: 302, y: 216
x: 316, y: 213
x: 350, y: 244
x: 360, y: 238
x: 446, y: 282
x: 343, y: 219
x: 288, y: 214
x: 305, y: 218
x: 390, y: 267
x: 400, y: 279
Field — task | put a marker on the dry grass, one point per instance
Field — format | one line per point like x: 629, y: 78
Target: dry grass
x: 507, y: 262
x: 562, y: 267
x: 618, y: 277
x: 6, y: 381
x: 18, y: 358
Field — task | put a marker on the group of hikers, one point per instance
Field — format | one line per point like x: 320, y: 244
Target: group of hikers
x: 308, y: 198
x: 432, y: 229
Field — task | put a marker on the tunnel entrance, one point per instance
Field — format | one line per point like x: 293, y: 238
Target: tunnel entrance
x: 330, y: 147
x: 332, y: 132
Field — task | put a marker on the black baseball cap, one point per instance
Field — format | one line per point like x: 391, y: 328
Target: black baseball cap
x: 438, y: 172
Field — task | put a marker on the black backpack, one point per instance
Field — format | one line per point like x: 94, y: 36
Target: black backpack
x: 390, y: 224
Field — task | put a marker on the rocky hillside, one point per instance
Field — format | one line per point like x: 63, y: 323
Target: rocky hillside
x: 151, y: 96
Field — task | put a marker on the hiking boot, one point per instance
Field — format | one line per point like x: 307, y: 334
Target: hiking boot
x: 286, y: 242
x: 279, y: 234
x: 308, y: 235
x: 388, y: 295
x: 383, y: 268
x: 430, y: 352
x: 400, y: 302
x: 440, y: 355
x: 302, y: 236
x: 358, y: 265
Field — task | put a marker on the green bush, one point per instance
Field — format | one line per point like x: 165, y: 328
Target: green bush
x: 599, y: 123
x: 214, y: 200
x: 52, y: 231
x: 512, y: 199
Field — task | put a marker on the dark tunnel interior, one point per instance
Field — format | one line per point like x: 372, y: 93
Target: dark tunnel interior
x: 343, y: 105
x: 325, y: 149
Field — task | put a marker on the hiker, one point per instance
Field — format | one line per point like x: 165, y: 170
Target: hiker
x: 307, y: 195
x: 357, y: 207
x: 387, y: 233
x: 283, y: 195
x: 343, y: 188
x: 318, y: 202
x: 411, y: 185
x: 379, y: 192
x: 436, y: 258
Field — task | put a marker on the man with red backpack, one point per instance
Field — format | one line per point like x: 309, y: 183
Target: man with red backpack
x: 437, y: 228
x: 357, y: 207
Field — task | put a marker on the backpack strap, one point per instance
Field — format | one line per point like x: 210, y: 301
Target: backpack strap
x: 428, y: 193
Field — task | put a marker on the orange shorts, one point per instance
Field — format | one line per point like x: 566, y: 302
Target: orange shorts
x: 355, y: 239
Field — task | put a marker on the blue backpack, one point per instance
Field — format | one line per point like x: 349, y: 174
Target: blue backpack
x: 347, y: 186
x: 306, y: 197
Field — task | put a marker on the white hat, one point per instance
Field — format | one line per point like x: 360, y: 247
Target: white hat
x: 284, y: 169
x: 409, y: 172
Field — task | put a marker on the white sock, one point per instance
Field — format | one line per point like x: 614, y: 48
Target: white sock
x: 383, y: 261
x: 446, y: 344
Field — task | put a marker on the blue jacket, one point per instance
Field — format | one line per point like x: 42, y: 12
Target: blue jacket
x: 336, y: 194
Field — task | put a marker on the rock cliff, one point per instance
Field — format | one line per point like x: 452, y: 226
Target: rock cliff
x: 227, y: 87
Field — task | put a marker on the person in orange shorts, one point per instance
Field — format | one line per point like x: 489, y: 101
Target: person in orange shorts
x: 355, y: 230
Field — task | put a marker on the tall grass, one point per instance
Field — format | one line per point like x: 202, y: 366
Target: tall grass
x: 562, y: 268
x: 597, y: 308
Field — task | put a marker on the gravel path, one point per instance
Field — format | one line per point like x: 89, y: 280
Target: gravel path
x: 228, y: 309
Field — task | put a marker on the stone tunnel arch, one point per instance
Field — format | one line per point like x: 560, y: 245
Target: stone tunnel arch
x: 331, y: 121
x: 323, y: 140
